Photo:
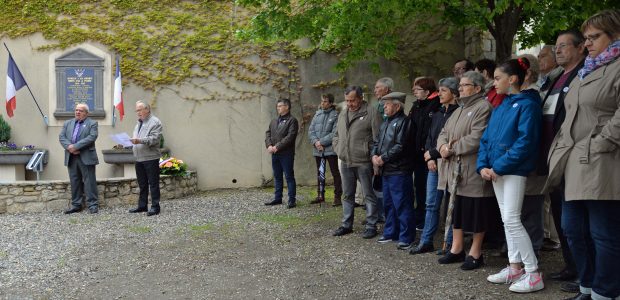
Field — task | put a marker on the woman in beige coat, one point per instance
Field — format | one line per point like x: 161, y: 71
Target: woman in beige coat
x: 586, y: 155
x: 460, y: 140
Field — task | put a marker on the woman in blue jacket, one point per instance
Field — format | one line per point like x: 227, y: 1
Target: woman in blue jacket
x: 508, y: 153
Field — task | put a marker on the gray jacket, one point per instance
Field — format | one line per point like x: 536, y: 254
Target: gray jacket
x: 150, y: 137
x: 322, y: 128
x: 85, y: 143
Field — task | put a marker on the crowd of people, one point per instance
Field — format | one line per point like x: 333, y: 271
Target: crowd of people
x: 497, y: 141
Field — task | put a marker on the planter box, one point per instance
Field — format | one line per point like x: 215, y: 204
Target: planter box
x: 124, y: 156
x: 13, y: 164
x: 20, y: 157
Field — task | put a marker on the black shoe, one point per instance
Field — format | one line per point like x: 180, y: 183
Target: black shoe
x: 273, y: 202
x: 357, y: 205
x: 580, y: 296
x: 291, y: 205
x: 137, y: 210
x: 452, y: 258
x: 336, y: 204
x: 317, y: 200
x: 472, y: 263
x: 369, y: 233
x: 422, y: 248
x: 152, y: 212
x: 404, y: 246
x: 549, y: 245
x: 72, y: 210
x: 564, y: 275
x: 93, y: 210
x: 342, y: 231
x: 570, y: 287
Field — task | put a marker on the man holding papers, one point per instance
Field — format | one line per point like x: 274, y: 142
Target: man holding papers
x: 146, y: 140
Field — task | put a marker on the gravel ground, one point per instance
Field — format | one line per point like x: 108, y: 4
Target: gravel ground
x: 226, y: 245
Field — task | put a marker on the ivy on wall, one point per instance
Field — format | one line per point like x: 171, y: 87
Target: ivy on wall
x: 164, y: 44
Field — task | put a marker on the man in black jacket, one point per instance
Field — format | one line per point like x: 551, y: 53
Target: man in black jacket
x: 389, y: 154
x: 280, y: 143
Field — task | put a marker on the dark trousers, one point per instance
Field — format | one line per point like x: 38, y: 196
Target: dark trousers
x: 283, y: 163
x: 591, y: 228
x: 399, y: 219
x: 533, y: 219
x: 333, y: 167
x: 557, y: 197
x: 420, y: 174
x: 83, y: 183
x: 147, y: 173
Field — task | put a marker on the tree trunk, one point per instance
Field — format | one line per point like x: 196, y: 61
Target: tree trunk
x: 504, y: 28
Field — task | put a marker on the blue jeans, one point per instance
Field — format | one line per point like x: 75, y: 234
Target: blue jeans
x: 284, y: 163
x: 399, y: 219
x: 419, y: 182
x: 434, y: 198
x: 591, y: 228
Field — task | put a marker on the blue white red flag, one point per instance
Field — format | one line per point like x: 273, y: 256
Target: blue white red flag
x: 14, y: 82
x: 118, y: 90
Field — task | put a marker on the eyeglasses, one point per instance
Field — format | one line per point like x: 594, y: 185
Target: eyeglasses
x: 463, y: 85
x: 593, y: 37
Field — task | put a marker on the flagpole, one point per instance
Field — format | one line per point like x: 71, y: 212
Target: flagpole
x: 45, y: 119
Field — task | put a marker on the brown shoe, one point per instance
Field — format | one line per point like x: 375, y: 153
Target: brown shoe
x: 337, y: 202
x: 317, y: 200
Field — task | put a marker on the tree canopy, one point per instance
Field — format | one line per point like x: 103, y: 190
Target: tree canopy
x: 368, y: 29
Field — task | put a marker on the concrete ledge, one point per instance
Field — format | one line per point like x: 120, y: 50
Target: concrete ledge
x: 55, y: 195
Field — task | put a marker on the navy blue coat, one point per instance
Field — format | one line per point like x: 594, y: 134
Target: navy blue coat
x: 509, y: 144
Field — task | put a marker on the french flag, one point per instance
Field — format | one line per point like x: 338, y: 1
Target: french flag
x: 118, y: 91
x: 14, y: 82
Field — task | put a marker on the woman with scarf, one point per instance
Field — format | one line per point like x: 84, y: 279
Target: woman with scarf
x: 508, y: 154
x: 586, y: 155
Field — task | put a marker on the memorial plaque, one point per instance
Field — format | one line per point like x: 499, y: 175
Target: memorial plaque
x: 80, y: 86
x: 79, y: 79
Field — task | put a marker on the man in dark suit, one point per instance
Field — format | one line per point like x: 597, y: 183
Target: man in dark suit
x: 280, y: 143
x: 78, y: 138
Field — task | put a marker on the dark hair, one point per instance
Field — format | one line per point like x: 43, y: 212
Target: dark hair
x: 576, y: 35
x: 516, y: 67
x: 285, y: 101
x: 486, y: 64
x: 329, y: 97
x: 426, y: 83
x: 358, y: 91
x: 469, y: 66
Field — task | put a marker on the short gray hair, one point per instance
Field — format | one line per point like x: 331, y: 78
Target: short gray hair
x: 387, y: 82
x: 144, y: 104
x: 85, y: 105
x: 450, y: 83
x: 476, y: 78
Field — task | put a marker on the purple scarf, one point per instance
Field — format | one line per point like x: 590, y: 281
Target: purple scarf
x: 610, y: 54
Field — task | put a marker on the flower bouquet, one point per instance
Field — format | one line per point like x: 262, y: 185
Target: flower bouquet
x: 172, y: 166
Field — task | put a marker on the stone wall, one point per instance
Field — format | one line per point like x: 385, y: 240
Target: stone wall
x: 55, y: 195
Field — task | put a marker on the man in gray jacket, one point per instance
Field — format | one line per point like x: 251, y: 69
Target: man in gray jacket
x: 146, y: 140
x: 353, y: 139
x: 321, y: 133
x: 78, y: 138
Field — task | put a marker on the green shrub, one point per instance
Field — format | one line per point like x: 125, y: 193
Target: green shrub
x: 5, y: 131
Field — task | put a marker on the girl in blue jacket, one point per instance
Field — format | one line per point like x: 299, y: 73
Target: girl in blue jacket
x: 508, y: 153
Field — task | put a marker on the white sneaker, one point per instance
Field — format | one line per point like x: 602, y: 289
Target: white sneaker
x: 506, y: 275
x: 529, y: 282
